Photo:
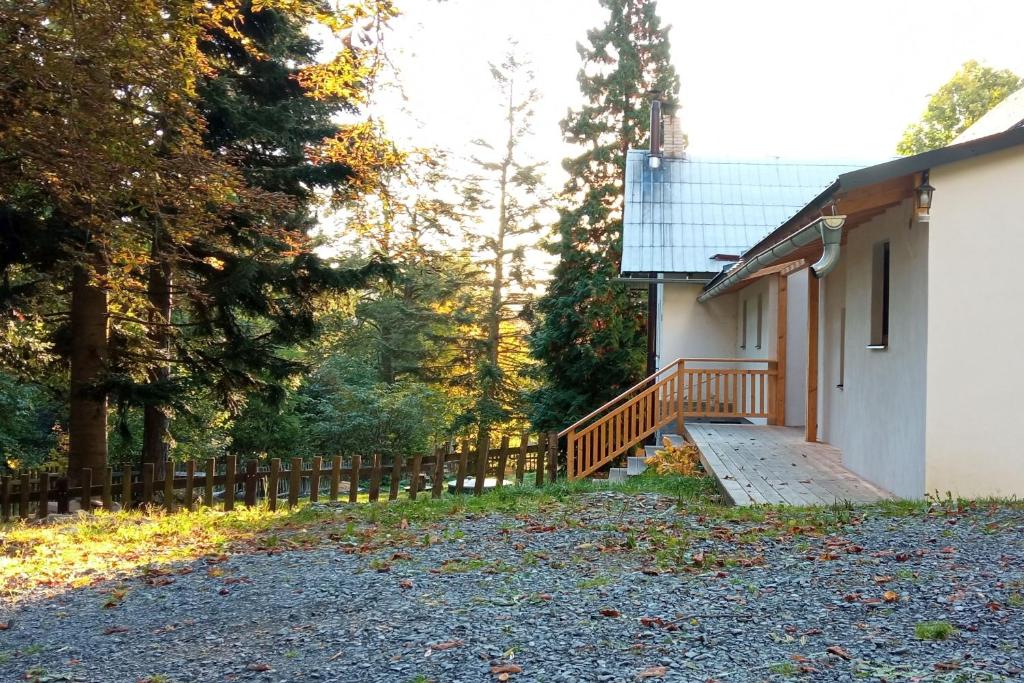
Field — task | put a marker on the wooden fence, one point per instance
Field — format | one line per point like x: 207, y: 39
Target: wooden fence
x: 31, y: 493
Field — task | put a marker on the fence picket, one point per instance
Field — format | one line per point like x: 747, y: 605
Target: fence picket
x: 251, y: 479
x: 375, y: 479
x: 44, y: 496
x: 190, y: 485
x: 272, y: 483
x: 229, y: 482
x: 23, y: 493
x: 314, y: 480
x: 524, y: 445
x: 539, y: 479
x: 169, y: 486
x: 147, y: 483
x: 335, y: 477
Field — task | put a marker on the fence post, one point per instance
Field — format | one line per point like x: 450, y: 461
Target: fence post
x: 435, y: 489
x: 353, y: 480
x: 275, y: 475
x: 229, y: 482
x: 44, y: 496
x: 499, y: 480
x: 552, y: 456
x: 417, y: 463
x: 23, y: 496
x: 63, y: 499
x: 396, y: 476
x: 375, y: 479
x: 147, y: 483
x: 540, y: 460
x: 251, y: 477
x: 680, y: 408
x: 294, y: 482
x: 5, y: 497
x: 524, y: 447
x: 460, y: 477
x: 211, y: 474
x: 570, y: 454
x: 335, y: 477
x: 86, y: 481
x: 126, y: 487
x: 483, y: 456
x: 108, y: 484
x: 169, y: 485
x: 190, y: 484
x: 314, y: 480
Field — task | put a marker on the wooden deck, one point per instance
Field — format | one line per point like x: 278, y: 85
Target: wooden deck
x: 756, y: 465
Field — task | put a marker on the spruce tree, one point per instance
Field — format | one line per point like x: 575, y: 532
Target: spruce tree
x: 590, y: 334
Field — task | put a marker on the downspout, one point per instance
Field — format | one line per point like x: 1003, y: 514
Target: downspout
x: 827, y: 229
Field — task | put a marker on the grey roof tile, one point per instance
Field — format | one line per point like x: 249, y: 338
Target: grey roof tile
x: 680, y: 215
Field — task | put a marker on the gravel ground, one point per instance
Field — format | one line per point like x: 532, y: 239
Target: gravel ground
x: 624, y: 589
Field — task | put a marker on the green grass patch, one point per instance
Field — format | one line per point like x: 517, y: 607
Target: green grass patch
x: 934, y: 630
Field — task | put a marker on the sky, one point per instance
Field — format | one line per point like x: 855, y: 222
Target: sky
x: 792, y: 78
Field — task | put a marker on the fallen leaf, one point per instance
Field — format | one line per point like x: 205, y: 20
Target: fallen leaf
x: 883, y: 579
x: 838, y: 652
x: 259, y: 666
x: 947, y: 666
x: 111, y: 630
x: 446, y: 645
x: 405, y: 523
x: 5, y: 625
x: 653, y: 672
x: 610, y: 613
x: 506, y: 669
x: 405, y: 584
x: 890, y: 596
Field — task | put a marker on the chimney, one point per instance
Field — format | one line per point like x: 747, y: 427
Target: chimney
x: 656, y: 132
x: 673, y: 139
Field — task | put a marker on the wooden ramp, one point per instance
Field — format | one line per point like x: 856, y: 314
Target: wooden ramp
x: 757, y: 464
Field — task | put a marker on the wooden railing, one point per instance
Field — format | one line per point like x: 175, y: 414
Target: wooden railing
x: 670, y: 395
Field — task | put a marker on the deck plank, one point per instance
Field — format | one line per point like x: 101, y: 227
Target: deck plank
x: 756, y: 464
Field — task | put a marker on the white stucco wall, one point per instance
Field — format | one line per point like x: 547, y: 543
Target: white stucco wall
x: 767, y: 289
x: 796, y: 348
x: 976, y: 328
x: 878, y: 419
x: 690, y: 329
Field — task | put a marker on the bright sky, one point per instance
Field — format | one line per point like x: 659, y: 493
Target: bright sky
x: 794, y: 78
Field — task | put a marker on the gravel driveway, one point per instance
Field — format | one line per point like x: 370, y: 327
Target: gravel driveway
x: 616, y: 588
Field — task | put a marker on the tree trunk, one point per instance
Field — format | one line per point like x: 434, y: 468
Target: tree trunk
x: 89, y: 352
x: 156, y: 419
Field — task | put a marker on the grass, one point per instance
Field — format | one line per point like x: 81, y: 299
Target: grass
x: 934, y: 630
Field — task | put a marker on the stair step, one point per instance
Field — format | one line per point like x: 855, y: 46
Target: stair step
x: 617, y: 475
x: 674, y: 439
x: 651, y: 450
x: 635, y: 465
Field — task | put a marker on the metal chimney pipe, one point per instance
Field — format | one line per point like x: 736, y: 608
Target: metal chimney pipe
x: 656, y: 131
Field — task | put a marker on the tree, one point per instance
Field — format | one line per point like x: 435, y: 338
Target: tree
x: 511, y: 188
x: 590, y: 333
x: 966, y: 97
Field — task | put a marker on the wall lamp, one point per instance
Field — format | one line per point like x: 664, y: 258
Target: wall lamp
x: 924, y: 199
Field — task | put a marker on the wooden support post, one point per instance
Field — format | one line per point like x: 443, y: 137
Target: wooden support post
x: 169, y: 486
x: 353, y: 480
x: 229, y: 482
x: 272, y: 483
x: 335, y: 477
x: 108, y: 484
x: 44, y: 496
x: 147, y: 483
x: 483, y: 454
x: 294, y: 482
x: 86, y: 498
x: 570, y: 454
x: 251, y: 478
x: 126, y: 488
x: 190, y: 485
x: 211, y: 474
x: 314, y: 480
x: 552, y: 456
x: 414, y: 475
x: 781, y: 349
x: 811, y: 430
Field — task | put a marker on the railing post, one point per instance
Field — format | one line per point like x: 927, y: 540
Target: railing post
x: 772, y: 377
x: 680, y: 411
x: 570, y: 455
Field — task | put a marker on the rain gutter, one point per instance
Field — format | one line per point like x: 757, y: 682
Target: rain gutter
x: 827, y: 229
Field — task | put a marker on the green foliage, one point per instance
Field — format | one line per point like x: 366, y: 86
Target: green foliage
x: 934, y: 630
x: 590, y: 334
x: 29, y: 424
x: 966, y: 97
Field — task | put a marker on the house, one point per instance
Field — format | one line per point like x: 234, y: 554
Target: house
x: 877, y: 309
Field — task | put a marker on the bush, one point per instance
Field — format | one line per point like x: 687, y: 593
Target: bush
x: 683, y: 460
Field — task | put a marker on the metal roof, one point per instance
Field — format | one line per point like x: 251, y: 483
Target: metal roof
x: 678, y: 216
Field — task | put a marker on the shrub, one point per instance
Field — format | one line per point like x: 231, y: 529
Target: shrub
x: 683, y: 460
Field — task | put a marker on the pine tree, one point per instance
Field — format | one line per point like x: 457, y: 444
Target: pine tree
x: 591, y: 335
x: 511, y: 188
